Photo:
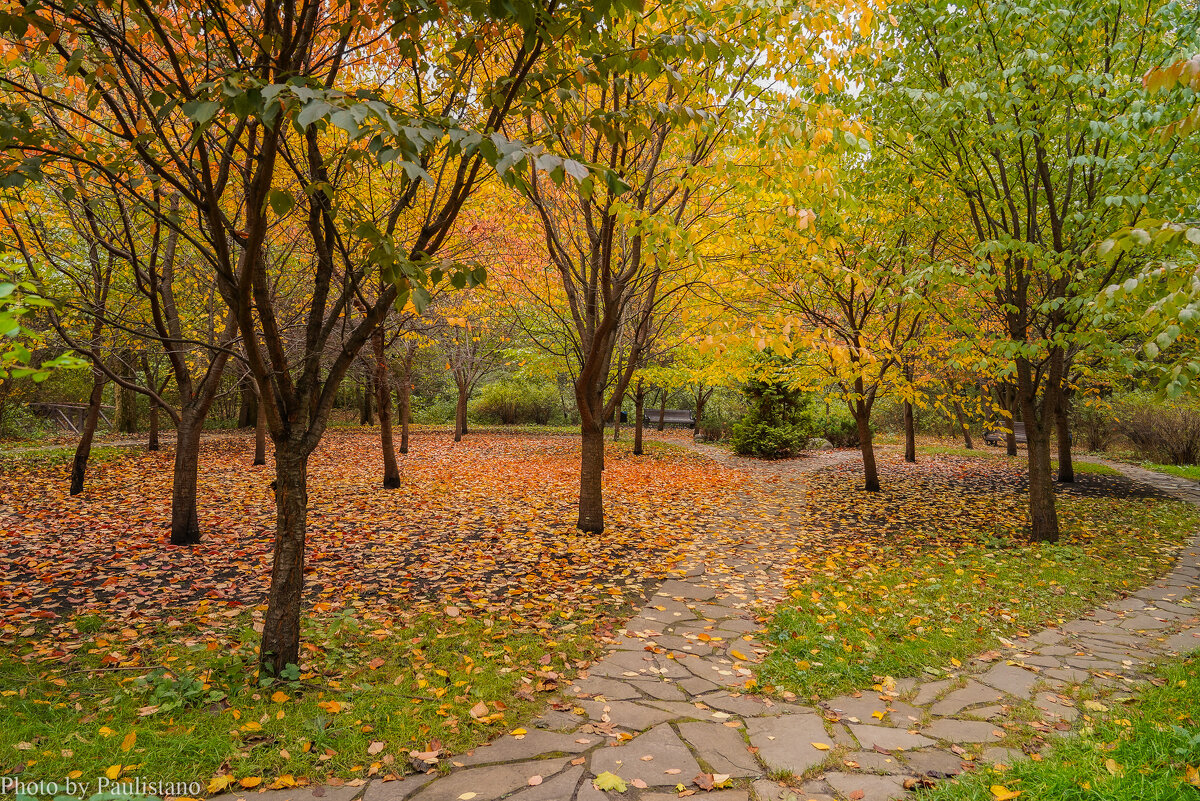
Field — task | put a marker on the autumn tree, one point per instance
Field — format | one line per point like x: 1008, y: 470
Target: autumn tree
x: 1027, y: 116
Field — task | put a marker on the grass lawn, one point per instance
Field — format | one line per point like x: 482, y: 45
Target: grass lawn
x: 1145, y: 748
x: 941, y: 586
x: 1191, y: 471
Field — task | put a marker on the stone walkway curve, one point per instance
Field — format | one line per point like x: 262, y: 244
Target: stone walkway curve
x: 669, y: 702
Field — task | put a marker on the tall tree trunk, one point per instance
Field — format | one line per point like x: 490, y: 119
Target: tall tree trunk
x: 366, y: 416
x: 281, y: 625
x: 968, y: 443
x: 639, y: 406
x: 460, y: 413
x: 862, y: 420
x: 383, y: 403
x: 662, y: 409
x: 248, y: 409
x: 83, y: 451
x: 152, y: 443
x: 125, y: 416
x: 1062, y: 428
x: 185, y: 524
x: 617, y: 420
x: 910, y: 433
x: 591, y: 473
x: 405, y: 410
x: 1008, y: 402
x: 1043, y: 516
x: 260, y: 434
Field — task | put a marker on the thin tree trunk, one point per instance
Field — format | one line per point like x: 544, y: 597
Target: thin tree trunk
x: 185, y: 523
x: 281, y: 625
x: 83, y: 451
x: 1043, y: 516
x: 639, y: 406
x: 1062, y: 428
x: 248, y: 410
x: 910, y: 433
x: 260, y: 434
x: 366, y: 416
x: 591, y: 489
x: 460, y: 413
x: 405, y: 411
x: 383, y: 402
x: 617, y: 420
x: 968, y: 443
x: 152, y: 443
x: 862, y: 419
x: 662, y: 409
x: 1010, y: 404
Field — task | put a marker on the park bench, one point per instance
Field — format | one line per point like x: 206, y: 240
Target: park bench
x: 996, y: 437
x: 674, y: 417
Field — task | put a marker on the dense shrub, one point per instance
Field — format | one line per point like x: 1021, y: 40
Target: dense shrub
x: 1092, y: 421
x: 721, y: 412
x: 838, y: 426
x: 778, y: 421
x: 1162, y: 432
x: 512, y: 400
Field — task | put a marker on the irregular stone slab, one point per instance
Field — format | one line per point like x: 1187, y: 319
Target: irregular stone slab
x: 984, y: 712
x: 659, y: 690
x: 696, y: 685
x: 962, y: 731
x: 1183, y: 642
x: 1055, y: 707
x: 674, y: 588
x: 720, y: 795
x: 490, y: 782
x: 873, y: 762
x: 554, y: 789
x: 626, y: 714
x: 1144, y: 623
x: 889, y: 739
x: 895, y: 713
x: 329, y: 793
x: 1069, y: 675
x: 930, y: 690
x: 1048, y: 636
x: 1012, y: 680
x: 681, y: 709
x: 510, y: 748
x: 1041, y: 661
x: 935, y: 764
x: 873, y: 788
x: 609, y: 688
x: 721, y: 748
x: 625, y: 664
x: 767, y: 790
x: 785, y: 743
x: 556, y: 719
x: 668, y: 753
x: 971, y: 695
x: 738, y: 705
x: 1001, y: 756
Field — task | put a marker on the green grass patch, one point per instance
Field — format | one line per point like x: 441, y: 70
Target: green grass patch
x: 58, y: 455
x: 904, y: 612
x: 171, y: 704
x: 1147, y: 749
x: 1191, y: 471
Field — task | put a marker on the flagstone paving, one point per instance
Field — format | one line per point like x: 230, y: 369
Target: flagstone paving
x: 671, y: 702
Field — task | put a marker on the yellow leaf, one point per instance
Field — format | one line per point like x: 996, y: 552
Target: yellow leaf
x: 113, y: 772
x: 1113, y: 767
x: 878, y: 715
x: 1002, y: 793
x: 279, y: 697
x: 219, y: 783
x: 129, y: 740
x: 820, y: 746
x: 106, y: 732
x: 518, y: 732
x: 250, y: 781
x: 738, y: 655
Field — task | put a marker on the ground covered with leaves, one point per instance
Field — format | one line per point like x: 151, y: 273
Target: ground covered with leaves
x: 937, y: 567
x: 436, y: 614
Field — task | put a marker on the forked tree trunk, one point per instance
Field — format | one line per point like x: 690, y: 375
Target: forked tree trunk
x: 968, y: 443
x: 1062, y: 429
x: 185, y: 523
x: 83, y: 451
x: 639, y: 407
x: 383, y: 403
x: 910, y: 433
x: 591, y: 474
x: 662, y: 409
x: 260, y: 434
x: 862, y: 420
x: 281, y: 625
x: 1043, y: 517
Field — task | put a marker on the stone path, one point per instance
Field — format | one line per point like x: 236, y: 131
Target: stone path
x: 670, y: 702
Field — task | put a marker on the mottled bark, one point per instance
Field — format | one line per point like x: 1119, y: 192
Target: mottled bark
x: 591, y: 473
x: 1062, y: 429
x: 185, y: 523
x: 260, y: 435
x: 281, y: 624
x: 1043, y: 517
x: 83, y: 450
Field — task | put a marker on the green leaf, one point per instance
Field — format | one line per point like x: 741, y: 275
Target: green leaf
x: 608, y: 782
x: 281, y: 202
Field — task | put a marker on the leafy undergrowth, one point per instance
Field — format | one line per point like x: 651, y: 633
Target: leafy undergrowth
x: 468, y: 585
x: 1145, y: 748
x: 940, y: 569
